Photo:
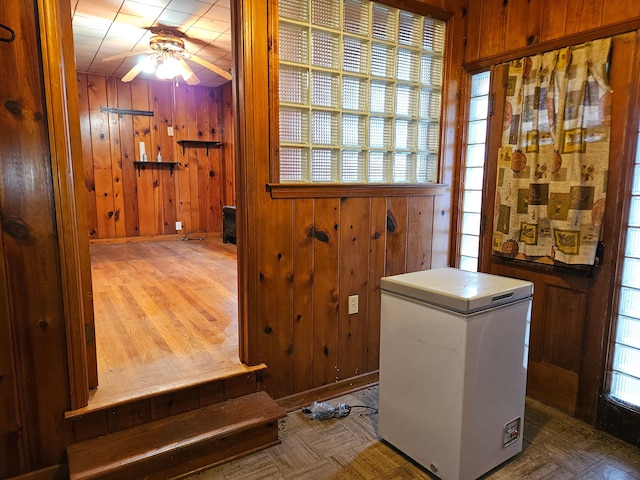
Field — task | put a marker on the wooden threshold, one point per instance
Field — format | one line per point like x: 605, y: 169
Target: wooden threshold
x: 97, y: 403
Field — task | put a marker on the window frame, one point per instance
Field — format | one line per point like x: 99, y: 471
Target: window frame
x: 278, y: 189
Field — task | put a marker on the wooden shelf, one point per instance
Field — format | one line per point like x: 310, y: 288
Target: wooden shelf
x: 198, y: 144
x: 142, y: 165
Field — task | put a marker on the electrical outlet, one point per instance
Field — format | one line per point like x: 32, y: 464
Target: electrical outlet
x: 178, y: 225
x: 353, y: 304
x: 170, y: 131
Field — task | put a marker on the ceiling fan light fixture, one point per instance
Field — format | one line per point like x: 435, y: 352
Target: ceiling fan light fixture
x: 148, y: 64
x: 167, y: 59
x: 168, y: 68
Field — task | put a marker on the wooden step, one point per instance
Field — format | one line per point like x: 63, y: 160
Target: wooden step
x: 180, y: 444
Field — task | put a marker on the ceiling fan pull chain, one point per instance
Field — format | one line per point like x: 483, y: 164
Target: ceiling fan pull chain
x: 12, y: 34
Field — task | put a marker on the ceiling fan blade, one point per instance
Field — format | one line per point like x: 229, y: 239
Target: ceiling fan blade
x: 188, y: 75
x: 125, y: 55
x: 133, y: 73
x: 209, y: 65
x: 160, y: 28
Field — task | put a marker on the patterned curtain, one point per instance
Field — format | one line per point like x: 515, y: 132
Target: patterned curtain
x: 554, y: 158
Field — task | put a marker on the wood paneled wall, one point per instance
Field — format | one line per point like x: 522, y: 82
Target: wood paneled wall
x: 304, y: 255
x: 498, y: 28
x: 38, y: 216
x: 123, y: 202
x: 571, y: 311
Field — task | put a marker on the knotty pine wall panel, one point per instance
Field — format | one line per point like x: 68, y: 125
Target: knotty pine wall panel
x: 339, y: 247
x: 303, y: 280
x: 276, y: 281
x: 228, y: 155
x: 499, y: 28
x: 353, y: 280
x: 377, y: 249
x: 34, y: 376
x: 326, y: 293
x: 123, y: 203
x: 396, y: 253
x: 114, y: 144
x: 127, y: 156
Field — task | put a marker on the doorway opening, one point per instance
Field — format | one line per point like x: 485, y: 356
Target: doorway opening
x: 165, y: 316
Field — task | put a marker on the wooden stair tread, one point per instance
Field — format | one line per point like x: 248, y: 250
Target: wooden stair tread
x: 94, y: 457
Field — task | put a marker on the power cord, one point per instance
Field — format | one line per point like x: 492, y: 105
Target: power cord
x: 323, y: 410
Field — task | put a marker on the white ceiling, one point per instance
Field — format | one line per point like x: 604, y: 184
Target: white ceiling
x: 102, y: 28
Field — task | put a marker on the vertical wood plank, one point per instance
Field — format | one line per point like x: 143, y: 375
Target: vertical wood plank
x: 90, y: 425
x: 493, y: 28
x: 275, y: 303
x: 87, y: 158
x: 354, y: 276
x: 163, y: 406
x: 155, y: 148
x: 228, y: 150
x: 181, y: 133
x: 325, y: 290
x: 167, y: 149
x: 377, y: 249
x: 583, y: 15
x: 210, y: 393
x: 396, y: 255
x: 472, y: 46
x: 129, y: 415
x: 205, y: 161
x: 128, y: 154
x: 563, y: 327
x: 554, y: 18
x: 145, y: 179
x: 216, y: 180
x: 116, y: 159
x: 524, y: 19
x: 303, y: 241
x: 620, y: 11
x: 193, y: 161
x: 101, y: 154
x: 419, y: 233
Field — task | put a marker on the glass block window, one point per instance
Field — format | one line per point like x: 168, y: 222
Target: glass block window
x: 359, y: 92
x: 473, y: 172
x: 624, y: 377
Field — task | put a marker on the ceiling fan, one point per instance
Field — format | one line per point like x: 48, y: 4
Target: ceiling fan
x: 167, y: 57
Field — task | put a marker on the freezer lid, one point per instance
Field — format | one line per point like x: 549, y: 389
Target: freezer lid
x: 458, y: 290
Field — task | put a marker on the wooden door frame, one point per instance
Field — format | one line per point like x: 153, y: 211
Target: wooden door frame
x: 61, y: 98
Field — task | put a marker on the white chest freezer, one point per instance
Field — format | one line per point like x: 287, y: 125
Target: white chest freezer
x: 453, y: 369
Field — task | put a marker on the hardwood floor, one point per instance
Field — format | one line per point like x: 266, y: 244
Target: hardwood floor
x: 556, y: 447
x: 166, y: 316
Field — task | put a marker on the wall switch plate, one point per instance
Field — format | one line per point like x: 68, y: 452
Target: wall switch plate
x: 178, y: 225
x: 170, y: 131
x: 353, y: 304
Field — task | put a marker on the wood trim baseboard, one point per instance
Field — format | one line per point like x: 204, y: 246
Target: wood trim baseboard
x: 54, y: 472
x: 325, y: 392
x: 149, y: 238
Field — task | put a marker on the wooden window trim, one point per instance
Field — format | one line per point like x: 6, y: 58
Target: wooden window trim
x: 345, y: 190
